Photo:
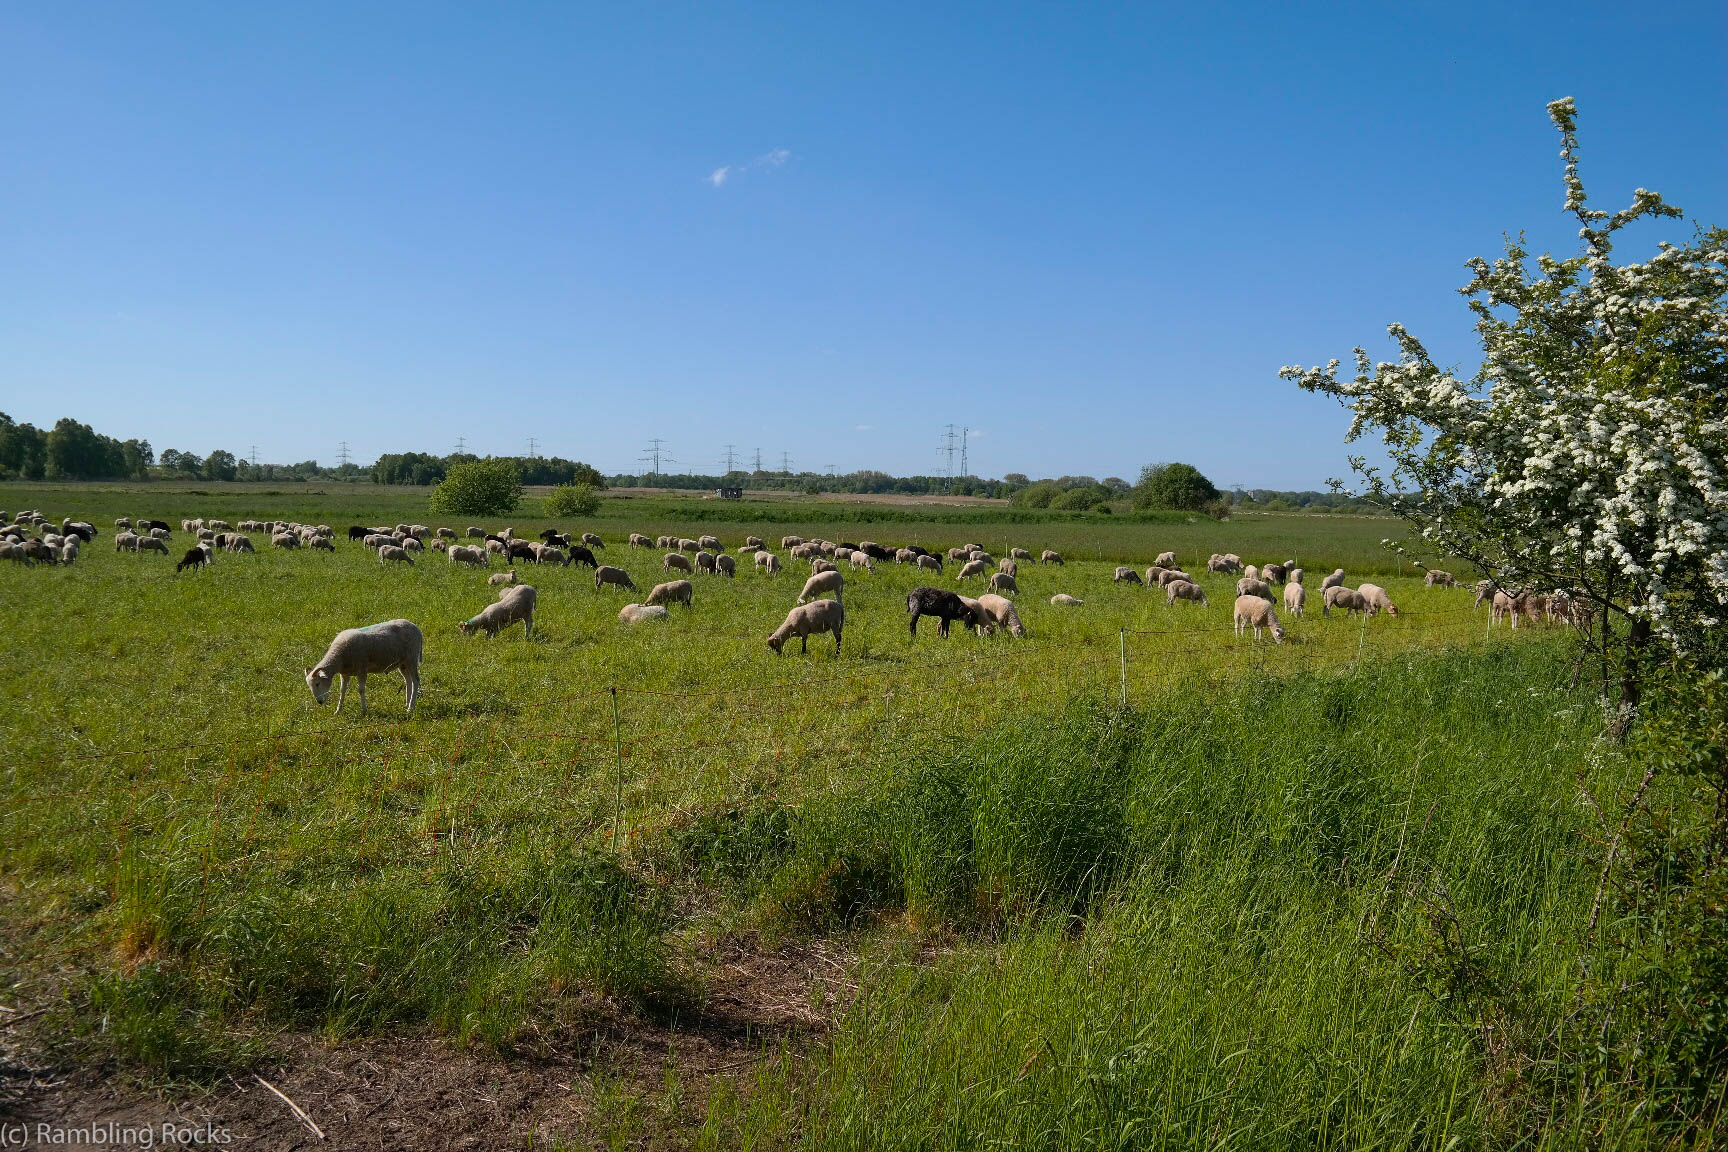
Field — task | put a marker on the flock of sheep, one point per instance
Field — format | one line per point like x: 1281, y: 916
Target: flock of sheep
x: 397, y: 645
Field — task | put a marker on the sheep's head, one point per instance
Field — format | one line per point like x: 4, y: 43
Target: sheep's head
x: 319, y: 680
x: 774, y: 643
x: 1278, y: 633
x: 465, y: 627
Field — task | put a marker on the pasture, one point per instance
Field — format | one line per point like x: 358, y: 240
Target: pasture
x: 1158, y: 921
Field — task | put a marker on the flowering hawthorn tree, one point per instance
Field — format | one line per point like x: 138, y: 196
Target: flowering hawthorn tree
x: 1590, y: 450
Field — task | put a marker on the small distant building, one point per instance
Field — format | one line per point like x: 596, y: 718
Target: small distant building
x: 729, y: 493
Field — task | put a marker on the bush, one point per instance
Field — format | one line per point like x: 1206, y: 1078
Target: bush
x: 490, y: 487
x: 568, y: 500
x: 1174, y: 486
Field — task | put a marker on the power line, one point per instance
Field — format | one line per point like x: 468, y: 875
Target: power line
x: 786, y: 463
x: 652, y: 455
x: 342, y: 455
x: 964, y: 467
x: 948, y: 447
x: 461, y: 446
x: 758, y: 459
x: 731, y: 459
x: 532, y: 445
x: 254, y: 455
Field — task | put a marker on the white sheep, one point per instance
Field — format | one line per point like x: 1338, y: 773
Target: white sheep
x: 1436, y: 578
x: 789, y: 542
x: 768, y: 562
x: 639, y: 613
x: 508, y: 576
x: 859, y: 559
x: 820, y: 583
x: 1019, y: 554
x: 126, y: 541
x: 675, y: 560
x: 672, y: 592
x: 637, y: 540
x: 400, y: 555
x: 1376, y: 596
x: 753, y: 542
x: 927, y: 562
x: 1294, y: 598
x: 1251, y: 572
x: 1348, y: 599
x: 821, y: 565
x: 356, y: 653
x: 1294, y: 576
x: 971, y: 568
x: 463, y: 554
x: 981, y: 622
x: 606, y: 574
x: 1251, y: 586
x: 1063, y: 600
x: 1253, y: 612
x: 807, y: 620
x: 1009, y: 565
x: 1002, y: 582
x: 152, y: 544
x: 1000, y: 612
x: 1126, y: 575
x: 1166, y: 560
x: 726, y: 566
x: 1050, y: 557
x: 1332, y: 581
x: 592, y: 541
x: 515, y: 603
x: 711, y: 544
x: 1185, y: 590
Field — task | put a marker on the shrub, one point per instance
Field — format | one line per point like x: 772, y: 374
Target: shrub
x: 569, y: 500
x: 1173, y: 485
x: 490, y: 487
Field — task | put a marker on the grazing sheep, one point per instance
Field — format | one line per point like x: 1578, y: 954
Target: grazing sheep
x: 126, y: 542
x: 513, y: 604
x: 640, y: 613
x: 1126, y: 575
x: 1050, y: 557
x: 447, y: 534
x: 1253, y: 612
x: 1294, y: 575
x: 675, y: 560
x: 1332, y: 581
x: 377, y: 540
x: 768, y: 562
x: 789, y: 542
x: 946, y: 606
x: 711, y: 543
x: 606, y: 574
x: 1295, y: 596
x: 961, y: 554
x: 1250, y: 586
x: 357, y: 653
x: 971, y: 568
x: 495, y: 548
x: 1166, y: 560
x: 412, y: 544
x: 821, y: 565
x: 399, y: 555
x: 814, y: 587
x: 753, y: 542
x: 1273, y: 573
x: 1063, y: 600
x: 905, y: 556
x: 1002, y: 582
x: 980, y: 623
x: 69, y: 550
x: 1019, y: 554
x: 672, y: 592
x: 999, y: 612
x: 238, y: 543
x: 1185, y: 590
x: 743, y: 548
x: 1251, y: 572
x: 508, y: 576
x: 1435, y: 578
x: 690, y: 546
x: 926, y: 561
x: 861, y: 559
x: 1222, y: 565
x: 726, y: 566
x: 323, y: 544
x: 705, y: 562
x: 1348, y: 599
x: 119, y: 521
x: 807, y: 620
x: 463, y: 554
x: 1505, y: 602
x: 1172, y: 575
x: 16, y: 553
x: 592, y: 541
x: 579, y: 554
x: 152, y: 544
x: 1376, y: 596
x: 637, y: 540
x: 1009, y: 565
x: 553, y: 556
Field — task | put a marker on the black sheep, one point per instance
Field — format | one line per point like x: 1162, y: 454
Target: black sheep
x: 356, y: 532
x: 581, y: 555
x: 946, y: 606
x: 550, y: 535
x: 149, y: 524
x: 194, y: 558
x: 878, y: 552
x: 522, y: 550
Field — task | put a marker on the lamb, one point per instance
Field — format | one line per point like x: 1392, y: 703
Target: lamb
x: 980, y: 623
x: 807, y: 620
x: 1332, y: 581
x: 726, y: 566
x: 606, y: 574
x: 195, y: 559
x: 672, y: 592
x: 940, y: 603
x: 768, y: 562
x: 1505, y: 602
x: 1295, y: 596
x: 639, y: 613
x: 391, y: 553
x: 1435, y: 578
x: 1126, y: 575
x: 1253, y: 612
x: 357, y: 653
x: 820, y: 583
x: 1002, y: 582
x: 513, y: 604
x: 508, y: 576
x: 1166, y: 560
x: 1249, y: 586
x: 999, y: 612
x: 926, y: 562
x: 1376, y: 596
x: 463, y: 554
x: 1050, y: 557
x: 1063, y: 600
x: 1350, y: 600
x: 1184, y: 590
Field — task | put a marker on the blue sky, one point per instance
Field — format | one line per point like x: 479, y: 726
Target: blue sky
x: 1092, y: 233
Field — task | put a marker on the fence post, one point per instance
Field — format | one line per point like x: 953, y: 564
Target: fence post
x: 1124, y: 667
x: 618, y: 741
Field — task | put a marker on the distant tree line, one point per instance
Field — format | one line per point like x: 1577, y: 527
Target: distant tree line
x: 423, y: 468
x: 68, y: 451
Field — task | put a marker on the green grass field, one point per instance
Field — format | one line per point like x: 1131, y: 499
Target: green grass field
x: 1165, y: 924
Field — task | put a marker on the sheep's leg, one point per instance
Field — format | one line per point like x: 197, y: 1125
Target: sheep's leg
x: 341, y: 693
x: 804, y: 643
x: 836, y: 641
x: 361, y: 680
x: 412, y: 680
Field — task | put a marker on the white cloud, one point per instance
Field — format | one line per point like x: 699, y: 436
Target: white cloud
x: 864, y: 427
x: 774, y: 159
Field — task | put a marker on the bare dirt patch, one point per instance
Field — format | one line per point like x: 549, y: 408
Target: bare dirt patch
x: 623, y: 1074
